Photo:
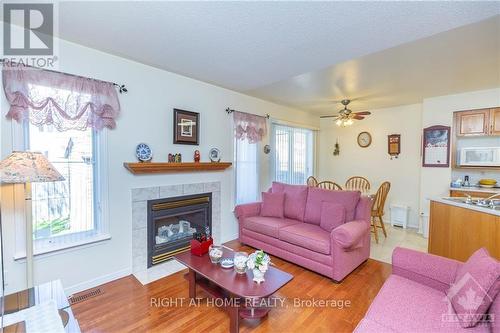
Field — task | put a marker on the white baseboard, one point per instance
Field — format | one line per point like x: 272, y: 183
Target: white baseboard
x: 97, y: 281
x: 230, y: 238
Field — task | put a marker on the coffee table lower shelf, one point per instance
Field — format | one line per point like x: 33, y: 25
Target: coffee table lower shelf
x: 237, y: 307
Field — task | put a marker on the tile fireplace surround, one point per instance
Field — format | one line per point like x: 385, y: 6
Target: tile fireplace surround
x: 140, y: 197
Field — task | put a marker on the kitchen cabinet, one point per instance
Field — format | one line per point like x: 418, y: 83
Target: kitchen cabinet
x: 457, y: 232
x: 457, y: 193
x: 495, y: 121
x: 472, y: 123
x: 482, y: 122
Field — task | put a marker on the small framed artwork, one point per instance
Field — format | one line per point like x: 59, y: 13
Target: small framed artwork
x: 436, y: 147
x: 394, y: 145
x: 186, y: 127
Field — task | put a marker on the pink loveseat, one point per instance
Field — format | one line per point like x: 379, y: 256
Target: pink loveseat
x: 299, y: 238
x: 413, y: 298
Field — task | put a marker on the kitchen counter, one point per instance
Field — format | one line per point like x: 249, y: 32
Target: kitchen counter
x: 455, y: 202
x: 457, y: 230
x: 491, y: 190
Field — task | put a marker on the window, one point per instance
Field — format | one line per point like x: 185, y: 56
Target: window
x: 293, y: 156
x: 66, y: 213
x: 247, y: 171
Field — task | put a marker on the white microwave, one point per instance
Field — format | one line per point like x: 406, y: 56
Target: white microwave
x: 480, y: 156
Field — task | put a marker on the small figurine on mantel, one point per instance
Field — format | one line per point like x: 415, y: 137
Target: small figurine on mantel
x: 197, y: 156
x: 178, y: 158
x: 171, y: 158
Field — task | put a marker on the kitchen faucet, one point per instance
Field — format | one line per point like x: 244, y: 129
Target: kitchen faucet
x: 488, y: 201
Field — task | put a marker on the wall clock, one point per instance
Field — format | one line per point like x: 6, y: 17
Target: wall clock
x: 143, y: 152
x: 364, y: 139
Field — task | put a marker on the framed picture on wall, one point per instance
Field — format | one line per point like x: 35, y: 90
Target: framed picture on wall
x: 436, y: 147
x: 186, y: 127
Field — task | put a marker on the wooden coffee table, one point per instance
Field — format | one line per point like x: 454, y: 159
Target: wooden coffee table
x: 243, y: 298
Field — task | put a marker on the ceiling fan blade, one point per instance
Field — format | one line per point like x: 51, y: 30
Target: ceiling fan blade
x: 363, y: 113
x: 329, y: 116
x: 357, y: 117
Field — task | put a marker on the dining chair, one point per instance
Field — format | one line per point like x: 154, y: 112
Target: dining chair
x: 312, y: 181
x: 378, y: 208
x: 328, y: 185
x: 357, y: 183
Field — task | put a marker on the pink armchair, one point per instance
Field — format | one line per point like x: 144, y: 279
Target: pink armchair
x: 413, y: 298
x: 302, y: 240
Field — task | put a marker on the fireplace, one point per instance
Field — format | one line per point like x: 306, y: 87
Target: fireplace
x: 172, y: 223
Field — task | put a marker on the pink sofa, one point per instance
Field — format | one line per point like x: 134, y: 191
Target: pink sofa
x: 299, y: 238
x: 413, y: 298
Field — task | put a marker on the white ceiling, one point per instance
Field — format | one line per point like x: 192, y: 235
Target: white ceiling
x: 460, y: 60
x: 246, y: 46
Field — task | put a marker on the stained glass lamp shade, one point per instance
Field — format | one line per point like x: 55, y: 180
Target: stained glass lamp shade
x: 27, y: 167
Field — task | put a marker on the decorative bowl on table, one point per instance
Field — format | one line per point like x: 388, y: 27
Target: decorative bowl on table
x: 240, y: 262
x: 215, y: 253
x: 227, y: 263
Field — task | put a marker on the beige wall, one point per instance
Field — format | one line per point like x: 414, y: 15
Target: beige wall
x: 439, y: 111
x: 146, y: 117
x: 373, y: 162
x: 411, y: 184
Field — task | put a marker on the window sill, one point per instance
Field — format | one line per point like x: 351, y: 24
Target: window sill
x: 66, y: 247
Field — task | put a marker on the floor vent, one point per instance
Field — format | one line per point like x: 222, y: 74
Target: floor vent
x: 85, y: 295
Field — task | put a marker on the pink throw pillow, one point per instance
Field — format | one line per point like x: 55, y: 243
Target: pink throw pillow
x: 295, y: 199
x: 475, y: 287
x: 272, y: 204
x: 332, y: 215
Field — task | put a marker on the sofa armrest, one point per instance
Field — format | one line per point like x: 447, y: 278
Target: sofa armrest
x: 247, y: 210
x: 350, y: 235
x: 428, y: 269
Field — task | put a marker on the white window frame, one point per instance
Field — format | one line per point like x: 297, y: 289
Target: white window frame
x: 20, y: 139
x: 272, y: 163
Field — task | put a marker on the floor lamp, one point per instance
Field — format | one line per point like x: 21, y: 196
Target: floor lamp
x: 25, y: 167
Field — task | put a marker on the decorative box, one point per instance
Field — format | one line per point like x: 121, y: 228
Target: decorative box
x: 200, y: 248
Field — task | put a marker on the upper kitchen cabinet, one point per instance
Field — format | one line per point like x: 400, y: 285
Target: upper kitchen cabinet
x: 473, y: 123
x: 495, y: 121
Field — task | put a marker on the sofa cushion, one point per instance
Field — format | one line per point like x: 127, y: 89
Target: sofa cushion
x: 295, y: 199
x: 315, y: 197
x: 475, y: 287
x: 407, y: 306
x: 272, y: 204
x: 308, y: 236
x: 267, y: 225
x: 332, y: 215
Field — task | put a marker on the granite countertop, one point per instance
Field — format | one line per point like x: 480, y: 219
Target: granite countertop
x: 476, y: 189
x: 455, y: 202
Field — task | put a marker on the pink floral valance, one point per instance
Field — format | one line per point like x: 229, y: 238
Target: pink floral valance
x: 249, y: 126
x: 64, y: 101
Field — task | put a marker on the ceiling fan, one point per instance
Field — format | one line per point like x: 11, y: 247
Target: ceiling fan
x: 346, y: 117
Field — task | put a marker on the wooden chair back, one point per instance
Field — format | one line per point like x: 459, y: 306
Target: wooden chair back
x: 357, y: 183
x: 311, y: 181
x: 379, y: 200
x: 328, y: 185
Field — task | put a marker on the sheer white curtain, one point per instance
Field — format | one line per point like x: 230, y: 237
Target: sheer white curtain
x: 249, y: 130
x: 247, y: 171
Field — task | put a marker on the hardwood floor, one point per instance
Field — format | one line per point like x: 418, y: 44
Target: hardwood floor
x: 126, y: 305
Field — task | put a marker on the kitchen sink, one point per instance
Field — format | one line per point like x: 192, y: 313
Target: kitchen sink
x: 479, y: 202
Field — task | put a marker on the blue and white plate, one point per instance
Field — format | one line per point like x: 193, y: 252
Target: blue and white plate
x: 227, y: 263
x: 143, y: 152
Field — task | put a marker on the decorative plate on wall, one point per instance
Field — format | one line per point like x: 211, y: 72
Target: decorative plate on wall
x: 143, y: 152
x: 214, y: 155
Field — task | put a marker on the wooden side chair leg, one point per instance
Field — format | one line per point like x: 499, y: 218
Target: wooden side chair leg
x: 383, y: 226
x: 375, y: 230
